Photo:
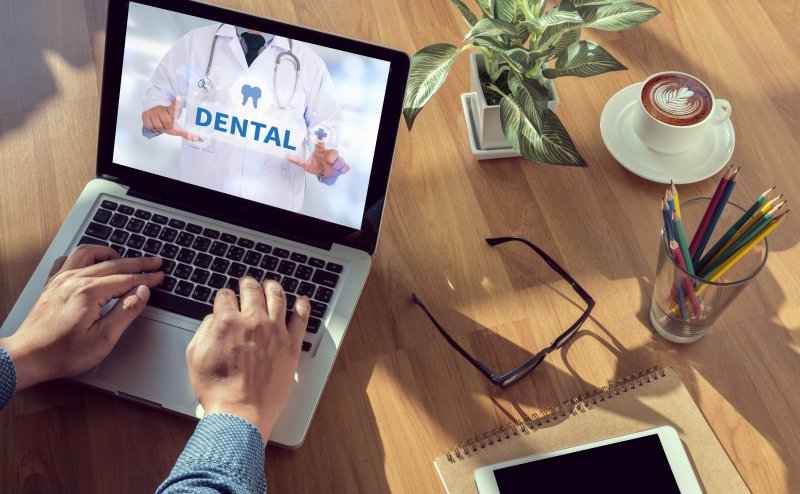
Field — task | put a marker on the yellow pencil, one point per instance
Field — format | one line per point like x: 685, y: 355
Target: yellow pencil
x: 675, y: 198
x: 742, y: 252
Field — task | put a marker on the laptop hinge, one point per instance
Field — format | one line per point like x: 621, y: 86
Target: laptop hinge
x: 235, y: 221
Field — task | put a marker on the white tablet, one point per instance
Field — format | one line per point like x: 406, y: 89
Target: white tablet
x: 651, y: 461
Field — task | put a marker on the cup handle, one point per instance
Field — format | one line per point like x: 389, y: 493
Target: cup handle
x: 723, y: 111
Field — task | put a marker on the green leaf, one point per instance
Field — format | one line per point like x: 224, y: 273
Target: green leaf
x: 552, y: 146
x: 617, y: 16
x: 559, y: 41
x: 429, y: 69
x: 469, y: 17
x: 491, y: 27
x: 560, y: 15
x: 526, y: 60
x: 557, y: 34
x: 493, y: 44
x: 531, y: 96
x: 583, y: 59
x: 580, y: 3
x: 511, y: 12
x: 486, y: 7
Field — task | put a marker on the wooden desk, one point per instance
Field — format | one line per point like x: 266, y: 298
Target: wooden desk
x: 399, y: 395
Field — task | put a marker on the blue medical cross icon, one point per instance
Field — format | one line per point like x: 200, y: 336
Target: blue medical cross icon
x: 320, y: 133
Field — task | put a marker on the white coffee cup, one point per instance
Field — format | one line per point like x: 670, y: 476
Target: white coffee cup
x: 670, y: 138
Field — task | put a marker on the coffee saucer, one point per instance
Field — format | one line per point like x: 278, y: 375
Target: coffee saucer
x: 616, y: 128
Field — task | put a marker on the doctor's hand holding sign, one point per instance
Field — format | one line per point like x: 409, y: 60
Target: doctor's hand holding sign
x: 259, y: 112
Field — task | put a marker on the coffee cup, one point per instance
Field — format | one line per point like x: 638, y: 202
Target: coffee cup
x: 675, y: 111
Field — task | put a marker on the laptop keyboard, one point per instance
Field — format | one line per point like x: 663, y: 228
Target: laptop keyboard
x: 199, y: 261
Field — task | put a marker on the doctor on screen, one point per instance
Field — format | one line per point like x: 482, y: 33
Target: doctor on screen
x: 258, y: 112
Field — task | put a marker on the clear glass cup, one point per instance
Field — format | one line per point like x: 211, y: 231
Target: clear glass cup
x: 691, y: 322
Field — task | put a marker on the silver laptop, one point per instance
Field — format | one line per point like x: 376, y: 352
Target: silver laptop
x: 215, y: 194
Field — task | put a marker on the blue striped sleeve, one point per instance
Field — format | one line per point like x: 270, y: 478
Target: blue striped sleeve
x: 8, y: 378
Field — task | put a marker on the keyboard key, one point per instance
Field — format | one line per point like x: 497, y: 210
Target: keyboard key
x: 160, y: 219
x: 124, y: 209
x: 217, y: 280
x: 119, y: 236
x: 141, y: 213
x: 201, y: 244
x: 167, y: 284
x: 135, y: 225
x: 168, y: 234
x: 306, y: 346
x: 306, y: 289
x: 135, y: 241
x: 317, y: 263
x: 290, y: 300
x: 201, y: 293
x: 186, y: 255
x: 263, y: 248
x: 177, y: 224
x: 252, y: 258
x: 131, y: 253
x: 152, y: 246
x: 168, y: 265
x: 184, y: 239
x: 102, y: 215
x: 227, y: 237
x: 152, y: 230
x: 313, y: 325
x: 119, y: 220
x: 269, y: 263
x: 210, y: 233
x: 200, y: 276
x: 272, y: 276
x: 192, y: 228
x: 98, y: 231
x: 323, y: 294
x: 91, y: 241
x: 237, y: 270
x: 256, y: 273
x: 296, y: 257
x: 169, y: 251
x: 304, y: 272
x: 318, y: 309
x: 220, y: 265
x: 336, y: 268
x: 289, y: 284
x: 184, y: 288
x: 109, y: 205
x: 183, y: 271
x: 325, y: 278
x: 185, y: 306
x: 219, y: 248
x: 233, y: 284
x: 235, y: 253
x: 286, y: 267
x: 120, y: 249
x: 203, y: 260
x: 280, y: 252
x: 246, y: 243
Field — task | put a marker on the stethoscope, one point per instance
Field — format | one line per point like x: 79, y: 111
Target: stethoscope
x: 207, y: 84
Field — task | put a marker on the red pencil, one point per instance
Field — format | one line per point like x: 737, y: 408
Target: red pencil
x: 712, y: 206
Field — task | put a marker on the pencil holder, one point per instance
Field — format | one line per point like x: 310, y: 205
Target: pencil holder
x: 684, y: 305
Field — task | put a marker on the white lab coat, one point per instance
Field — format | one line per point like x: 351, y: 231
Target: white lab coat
x: 228, y: 162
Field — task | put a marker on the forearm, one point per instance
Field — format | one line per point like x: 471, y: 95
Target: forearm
x: 225, y: 454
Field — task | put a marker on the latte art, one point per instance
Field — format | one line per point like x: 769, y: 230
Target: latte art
x: 677, y: 99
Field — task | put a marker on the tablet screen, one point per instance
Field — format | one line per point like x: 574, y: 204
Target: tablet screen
x: 635, y: 465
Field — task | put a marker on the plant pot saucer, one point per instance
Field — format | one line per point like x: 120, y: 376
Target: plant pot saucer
x: 468, y: 102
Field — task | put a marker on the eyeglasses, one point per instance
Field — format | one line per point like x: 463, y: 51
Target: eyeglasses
x: 509, y: 378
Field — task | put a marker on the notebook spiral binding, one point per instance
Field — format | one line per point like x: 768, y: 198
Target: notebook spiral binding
x: 573, y: 406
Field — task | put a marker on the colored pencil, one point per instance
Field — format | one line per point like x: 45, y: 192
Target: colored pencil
x: 733, y: 229
x: 686, y: 282
x: 715, y: 215
x: 680, y: 236
x: 712, y: 206
x: 665, y: 213
x: 674, y: 192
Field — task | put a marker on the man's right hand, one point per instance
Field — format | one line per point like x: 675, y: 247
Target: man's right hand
x: 165, y: 119
x: 242, y: 361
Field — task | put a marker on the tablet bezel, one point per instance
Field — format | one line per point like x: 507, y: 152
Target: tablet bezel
x: 246, y: 213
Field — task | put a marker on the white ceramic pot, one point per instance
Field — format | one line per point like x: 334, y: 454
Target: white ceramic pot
x: 487, y: 118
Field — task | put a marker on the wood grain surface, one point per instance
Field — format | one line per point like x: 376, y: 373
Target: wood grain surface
x: 399, y: 395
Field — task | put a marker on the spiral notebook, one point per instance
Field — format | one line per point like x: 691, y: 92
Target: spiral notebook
x: 647, y: 399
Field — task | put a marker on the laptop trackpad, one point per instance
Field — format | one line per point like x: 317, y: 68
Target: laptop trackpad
x: 150, y: 361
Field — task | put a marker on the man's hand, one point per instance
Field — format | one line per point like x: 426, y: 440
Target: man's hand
x: 65, y: 333
x: 242, y: 361
x: 165, y: 119
x: 321, y: 162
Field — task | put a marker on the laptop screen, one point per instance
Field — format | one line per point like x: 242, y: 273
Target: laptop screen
x: 277, y: 121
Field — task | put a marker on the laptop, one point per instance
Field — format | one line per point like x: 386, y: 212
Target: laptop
x: 215, y: 194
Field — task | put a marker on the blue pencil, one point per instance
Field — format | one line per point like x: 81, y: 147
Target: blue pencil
x: 698, y: 254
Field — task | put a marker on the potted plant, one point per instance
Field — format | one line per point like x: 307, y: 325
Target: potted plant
x: 514, y: 43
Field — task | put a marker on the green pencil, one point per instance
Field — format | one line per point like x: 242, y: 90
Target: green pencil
x: 681, y: 238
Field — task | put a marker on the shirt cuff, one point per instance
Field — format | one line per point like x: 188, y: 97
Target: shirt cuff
x: 340, y: 167
x: 8, y: 378
x: 225, y: 451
